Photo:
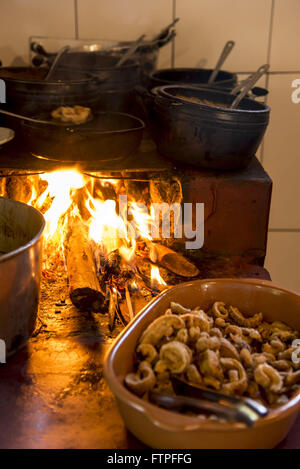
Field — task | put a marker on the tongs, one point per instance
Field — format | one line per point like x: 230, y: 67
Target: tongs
x: 196, y: 398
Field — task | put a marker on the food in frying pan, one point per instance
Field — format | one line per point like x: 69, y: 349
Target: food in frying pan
x: 221, y: 349
x: 202, y: 101
x: 73, y: 114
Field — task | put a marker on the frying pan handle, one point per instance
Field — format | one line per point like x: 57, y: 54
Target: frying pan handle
x: 39, y: 49
x: 97, y: 79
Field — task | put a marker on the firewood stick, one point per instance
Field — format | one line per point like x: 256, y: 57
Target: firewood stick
x: 113, y: 304
x: 129, y: 303
x: 171, y: 260
x: 84, y: 288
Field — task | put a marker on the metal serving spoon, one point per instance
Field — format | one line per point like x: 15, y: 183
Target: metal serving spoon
x: 224, y: 54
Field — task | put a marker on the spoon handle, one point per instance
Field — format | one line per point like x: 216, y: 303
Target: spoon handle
x: 248, y: 84
x: 56, y: 61
x: 25, y: 118
x: 224, y: 54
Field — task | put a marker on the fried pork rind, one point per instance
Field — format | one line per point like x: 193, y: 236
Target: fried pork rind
x: 176, y: 356
x: 141, y: 381
x: 192, y: 374
x: 219, y: 310
x: 176, y: 308
x: 148, y: 352
x: 292, y: 378
x: 227, y: 349
x: 267, y: 377
x: 221, y: 349
x: 164, y: 326
x: 73, y: 114
x: 182, y: 335
x: 209, y: 364
x: 237, y: 317
x: 238, y: 381
x: 205, y: 342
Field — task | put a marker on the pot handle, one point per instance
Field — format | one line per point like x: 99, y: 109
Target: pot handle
x: 97, y: 79
x: 143, y: 91
x: 39, y: 49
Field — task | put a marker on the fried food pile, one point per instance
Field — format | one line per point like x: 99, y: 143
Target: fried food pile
x: 220, y: 349
x: 73, y: 114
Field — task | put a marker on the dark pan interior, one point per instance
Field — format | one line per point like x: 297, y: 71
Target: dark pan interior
x: 190, y: 75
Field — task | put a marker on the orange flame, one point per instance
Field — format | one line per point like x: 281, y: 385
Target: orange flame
x: 156, y: 278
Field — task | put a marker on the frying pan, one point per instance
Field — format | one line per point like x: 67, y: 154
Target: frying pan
x: 108, y: 136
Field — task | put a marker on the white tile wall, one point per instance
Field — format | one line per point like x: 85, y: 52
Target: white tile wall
x: 285, y: 51
x: 125, y: 20
x: 205, y: 26
x: 23, y: 18
x: 283, y: 259
x: 282, y: 154
x: 264, y: 30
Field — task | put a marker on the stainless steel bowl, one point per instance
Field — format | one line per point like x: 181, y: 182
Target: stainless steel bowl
x: 21, y: 229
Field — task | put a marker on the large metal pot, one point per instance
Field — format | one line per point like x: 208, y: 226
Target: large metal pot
x: 21, y: 229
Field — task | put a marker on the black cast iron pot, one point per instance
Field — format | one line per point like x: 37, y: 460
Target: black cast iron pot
x: 207, y: 136
x: 191, y: 76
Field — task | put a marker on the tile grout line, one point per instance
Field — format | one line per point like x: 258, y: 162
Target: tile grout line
x: 276, y: 72
x: 173, y: 40
x: 284, y: 230
x: 76, y: 19
x: 270, y: 37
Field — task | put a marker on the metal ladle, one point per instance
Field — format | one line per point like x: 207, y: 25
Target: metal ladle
x: 246, y: 85
x: 224, y: 54
x: 39, y: 121
x: 56, y: 61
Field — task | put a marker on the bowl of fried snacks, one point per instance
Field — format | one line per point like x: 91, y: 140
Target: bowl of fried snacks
x: 236, y: 337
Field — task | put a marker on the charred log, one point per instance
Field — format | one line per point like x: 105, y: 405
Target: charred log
x: 84, y: 288
x: 172, y: 260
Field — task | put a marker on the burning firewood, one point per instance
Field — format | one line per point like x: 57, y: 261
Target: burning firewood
x: 171, y: 260
x: 113, y: 304
x: 85, y: 291
x: 129, y: 303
